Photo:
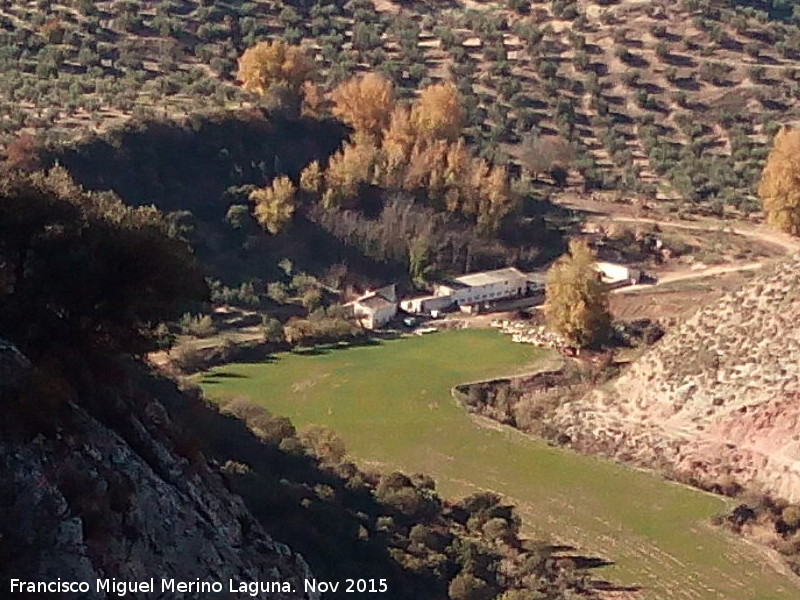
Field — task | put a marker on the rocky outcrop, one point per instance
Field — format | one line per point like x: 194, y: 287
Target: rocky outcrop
x: 717, y: 401
x: 13, y: 364
x: 119, y: 497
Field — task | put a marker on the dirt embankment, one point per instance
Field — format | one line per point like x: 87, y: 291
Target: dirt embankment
x: 717, y: 401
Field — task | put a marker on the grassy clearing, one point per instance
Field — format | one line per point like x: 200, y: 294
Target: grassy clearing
x: 391, y: 403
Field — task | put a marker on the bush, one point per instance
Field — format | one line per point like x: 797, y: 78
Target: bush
x: 521, y: 6
x: 791, y: 516
x: 466, y: 586
x: 277, y: 292
x: 273, y: 329
x: 188, y: 359
x: 323, y: 443
x: 201, y: 326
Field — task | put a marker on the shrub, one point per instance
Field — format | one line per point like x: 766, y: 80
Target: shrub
x: 201, y: 326
x: 273, y: 330
x: 466, y: 586
x: 753, y: 50
x: 791, y: 516
x: 520, y: 6
x: 323, y: 443
x: 278, y: 292
x: 188, y: 359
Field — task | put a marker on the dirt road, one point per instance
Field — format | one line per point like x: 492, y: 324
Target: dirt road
x: 788, y: 243
x: 762, y: 233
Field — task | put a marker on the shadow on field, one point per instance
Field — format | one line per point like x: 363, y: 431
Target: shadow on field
x: 225, y: 375
x: 323, y: 349
x: 278, y: 483
x: 579, y: 561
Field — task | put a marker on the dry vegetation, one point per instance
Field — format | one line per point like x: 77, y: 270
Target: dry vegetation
x: 672, y: 303
x: 647, y: 106
x: 715, y: 402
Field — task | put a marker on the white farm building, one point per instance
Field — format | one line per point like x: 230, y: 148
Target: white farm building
x: 485, y: 286
x: 615, y: 275
x: 473, y: 290
x: 375, y: 309
x: 426, y: 304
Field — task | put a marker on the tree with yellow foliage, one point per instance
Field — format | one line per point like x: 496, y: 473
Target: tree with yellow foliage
x: 350, y: 168
x: 780, y: 182
x: 314, y: 104
x: 458, y: 161
x: 311, y: 178
x: 577, y: 300
x: 366, y: 103
x: 497, y: 199
x: 449, y: 174
x: 275, y: 63
x: 275, y: 204
x: 398, y: 141
x: 426, y: 169
x: 477, y: 173
x: 400, y: 136
x: 438, y: 114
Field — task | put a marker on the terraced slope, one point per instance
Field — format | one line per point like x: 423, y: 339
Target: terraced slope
x: 675, y: 98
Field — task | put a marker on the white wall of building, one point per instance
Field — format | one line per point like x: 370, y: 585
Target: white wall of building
x: 373, y: 317
x: 426, y: 304
x: 507, y: 288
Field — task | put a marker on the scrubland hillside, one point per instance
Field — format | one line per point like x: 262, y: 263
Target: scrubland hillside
x: 716, y: 401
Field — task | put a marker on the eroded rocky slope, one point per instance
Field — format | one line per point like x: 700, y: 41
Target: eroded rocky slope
x: 123, y: 496
x: 717, y: 401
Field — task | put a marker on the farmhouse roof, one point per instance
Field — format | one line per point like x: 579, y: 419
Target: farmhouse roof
x: 374, y: 302
x: 489, y: 277
x: 382, y: 297
x: 388, y: 292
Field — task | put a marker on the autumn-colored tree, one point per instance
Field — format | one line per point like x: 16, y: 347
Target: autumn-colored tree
x: 449, y: 174
x: 365, y: 102
x: 458, y: 163
x: 24, y: 153
x: 780, y: 182
x: 275, y: 63
x: 311, y: 178
x: 477, y: 174
x: 438, y: 114
x: 497, y: 199
x: 577, y: 300
x: 314, y: 103
x: 274, y: 204
x: 350, y: 168
x: 426, y: 169
x: 398, y: 141
x: 418, y: 149
x: 400, y: 136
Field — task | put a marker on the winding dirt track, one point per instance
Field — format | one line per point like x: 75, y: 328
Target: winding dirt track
x: 788, y: 243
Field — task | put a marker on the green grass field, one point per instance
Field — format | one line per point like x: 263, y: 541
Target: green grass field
x: 391, y: 403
